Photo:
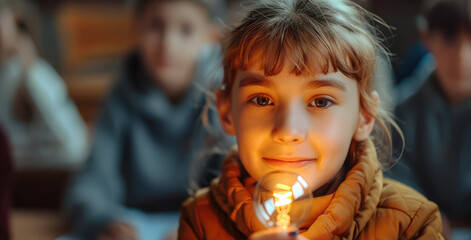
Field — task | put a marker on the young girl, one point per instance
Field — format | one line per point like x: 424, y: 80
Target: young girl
x: 298, y: 96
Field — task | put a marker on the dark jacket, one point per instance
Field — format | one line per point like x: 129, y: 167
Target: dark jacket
x: 437, y: 155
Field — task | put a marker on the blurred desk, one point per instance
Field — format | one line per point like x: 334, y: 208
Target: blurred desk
x: 37, y: 199
x: 36, y: 225
x: 40, y: 188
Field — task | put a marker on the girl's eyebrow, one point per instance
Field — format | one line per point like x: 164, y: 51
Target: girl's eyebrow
x: 255, y: 80
x: 317, y: 83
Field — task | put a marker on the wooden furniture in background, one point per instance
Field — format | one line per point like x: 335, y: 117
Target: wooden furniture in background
x: 93, y: 33
x: 94, y: 38
x: 36, y: 224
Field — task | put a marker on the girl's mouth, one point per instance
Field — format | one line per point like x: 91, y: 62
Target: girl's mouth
x: 290, y: 162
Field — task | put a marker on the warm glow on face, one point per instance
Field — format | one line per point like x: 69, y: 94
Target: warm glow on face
x: 287, y: 122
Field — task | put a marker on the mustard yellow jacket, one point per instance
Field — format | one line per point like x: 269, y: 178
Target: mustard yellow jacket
x: 365, y: 206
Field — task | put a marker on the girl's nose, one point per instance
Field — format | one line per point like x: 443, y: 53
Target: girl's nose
x: 291, y: 124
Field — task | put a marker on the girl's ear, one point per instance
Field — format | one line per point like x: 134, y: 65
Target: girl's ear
x: 366, y: 121
x: 223, y: 104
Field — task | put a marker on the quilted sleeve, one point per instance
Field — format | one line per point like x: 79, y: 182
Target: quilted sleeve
x: 426, y: 223
x: 187, y: 228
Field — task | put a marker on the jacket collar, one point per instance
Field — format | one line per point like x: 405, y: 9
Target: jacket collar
x: 344, y: 212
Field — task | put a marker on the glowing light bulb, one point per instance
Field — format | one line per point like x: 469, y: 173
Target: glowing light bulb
x: 282, y: 200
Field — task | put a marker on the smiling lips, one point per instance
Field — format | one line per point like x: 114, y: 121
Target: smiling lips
x: 290, y: 162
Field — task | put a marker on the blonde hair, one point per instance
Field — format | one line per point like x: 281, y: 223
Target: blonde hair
x: 310, y: 36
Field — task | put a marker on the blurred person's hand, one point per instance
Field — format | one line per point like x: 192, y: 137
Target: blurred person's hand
x: 276, y: 234
x: 118, y: 231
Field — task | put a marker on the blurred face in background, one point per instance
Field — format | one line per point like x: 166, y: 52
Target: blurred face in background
x: 171, y: 33
x: 453, y: 57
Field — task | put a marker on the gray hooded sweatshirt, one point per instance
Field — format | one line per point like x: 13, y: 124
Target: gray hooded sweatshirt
x: 144, y: 147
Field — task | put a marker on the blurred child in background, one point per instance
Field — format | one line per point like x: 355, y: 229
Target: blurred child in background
x: 298, y: 95
x: 151, y: 126
x: 436, y: 119
x: 41, y: 122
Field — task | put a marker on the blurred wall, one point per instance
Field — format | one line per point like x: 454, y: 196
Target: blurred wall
x: 397, y: 13
x: 400, y: 14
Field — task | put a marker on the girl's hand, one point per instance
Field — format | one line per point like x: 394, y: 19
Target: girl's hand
x: 277, y: 234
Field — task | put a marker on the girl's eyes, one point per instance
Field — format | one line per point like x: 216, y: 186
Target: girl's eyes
x: 321, y: 103
x: 261, y: 101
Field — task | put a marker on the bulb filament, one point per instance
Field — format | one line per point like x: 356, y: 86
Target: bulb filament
x: 283, y: 202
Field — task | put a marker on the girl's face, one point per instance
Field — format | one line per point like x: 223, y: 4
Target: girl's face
x: 302, y: 124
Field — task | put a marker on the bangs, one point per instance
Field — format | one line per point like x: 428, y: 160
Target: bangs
x: 302, y: 44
